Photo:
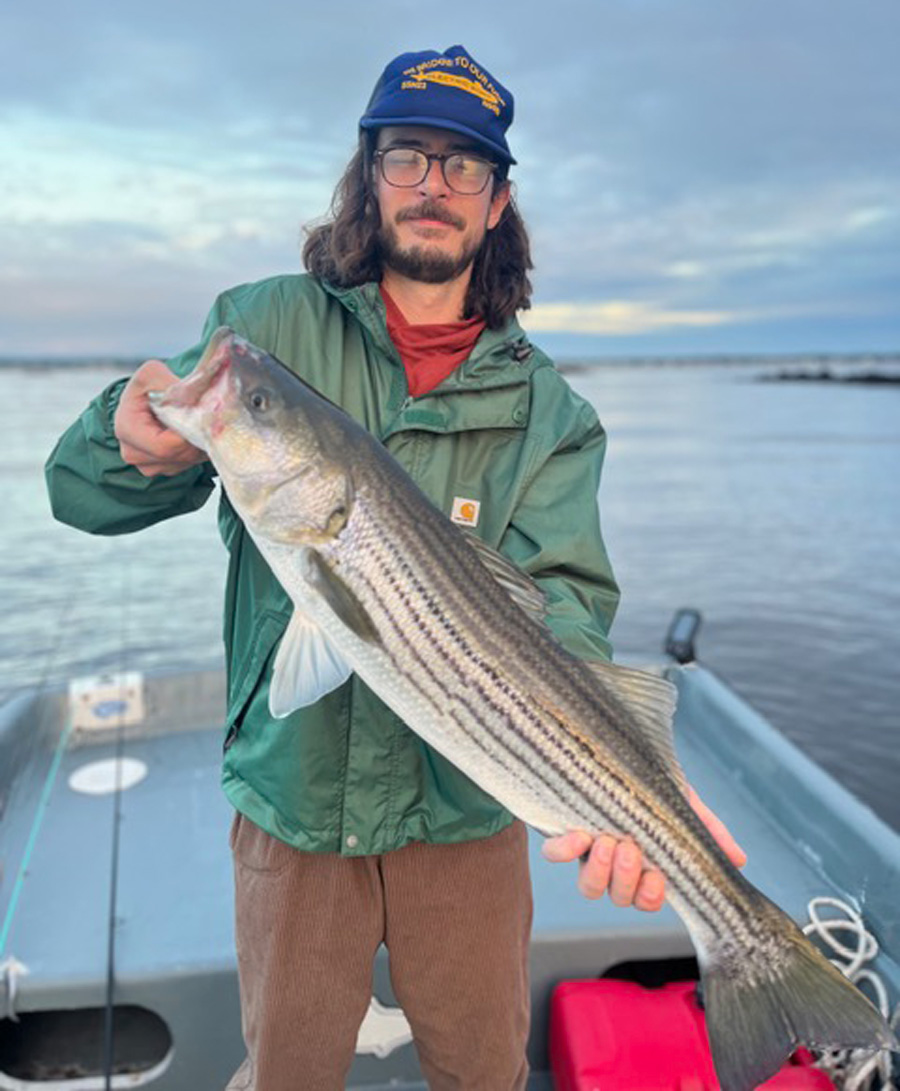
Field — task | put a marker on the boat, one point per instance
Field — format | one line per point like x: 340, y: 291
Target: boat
x: 117, y: 964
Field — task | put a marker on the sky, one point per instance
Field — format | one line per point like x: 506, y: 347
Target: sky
x: 698, y: 176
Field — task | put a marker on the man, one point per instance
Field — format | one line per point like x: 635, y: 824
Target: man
x: 350, y: 831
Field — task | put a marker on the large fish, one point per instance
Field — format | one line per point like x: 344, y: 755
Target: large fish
x: 447, y: 633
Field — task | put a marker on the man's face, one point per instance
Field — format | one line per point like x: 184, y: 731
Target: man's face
x: 429, y: 232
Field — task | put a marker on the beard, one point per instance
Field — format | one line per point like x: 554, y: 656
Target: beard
x: 420, y: 262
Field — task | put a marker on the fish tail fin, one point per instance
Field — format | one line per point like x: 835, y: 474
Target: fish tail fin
x: 758, y: 1010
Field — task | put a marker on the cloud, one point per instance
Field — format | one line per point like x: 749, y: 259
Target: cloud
x: 732, y: 249
x: 617, y: 317
x: 675, y: 159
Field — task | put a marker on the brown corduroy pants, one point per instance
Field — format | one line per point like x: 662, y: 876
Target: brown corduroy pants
x: 456, y: 921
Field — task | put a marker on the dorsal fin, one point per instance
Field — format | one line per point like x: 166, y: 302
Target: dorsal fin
x: 520, y: 587
x: 651, y: 701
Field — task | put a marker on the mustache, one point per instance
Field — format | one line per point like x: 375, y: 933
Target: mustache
x: 430, y: 210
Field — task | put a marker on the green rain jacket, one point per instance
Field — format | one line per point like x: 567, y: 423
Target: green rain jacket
x: 346, y: 775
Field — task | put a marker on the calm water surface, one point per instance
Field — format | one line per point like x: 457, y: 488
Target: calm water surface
x: 772, y: 507
x: 775, y: 509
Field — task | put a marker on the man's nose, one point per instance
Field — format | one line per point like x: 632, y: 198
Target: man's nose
x: 434, y: 183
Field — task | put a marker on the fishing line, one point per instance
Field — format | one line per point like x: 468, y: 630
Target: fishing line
x: 49, y: 780
x: 109, y: 1009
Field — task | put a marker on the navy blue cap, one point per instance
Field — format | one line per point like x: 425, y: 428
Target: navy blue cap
x: 446, y: 90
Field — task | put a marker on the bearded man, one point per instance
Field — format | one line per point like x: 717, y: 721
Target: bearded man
x: 349, y: 830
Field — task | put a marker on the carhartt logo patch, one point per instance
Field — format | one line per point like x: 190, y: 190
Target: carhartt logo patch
x: 465, y: 511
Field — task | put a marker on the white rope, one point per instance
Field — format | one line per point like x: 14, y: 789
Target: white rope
x: 853, y: 1069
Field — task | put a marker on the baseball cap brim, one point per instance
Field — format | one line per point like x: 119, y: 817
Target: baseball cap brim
x: 440, y: 123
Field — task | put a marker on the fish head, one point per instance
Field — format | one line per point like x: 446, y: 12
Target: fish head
x: 266, y: 433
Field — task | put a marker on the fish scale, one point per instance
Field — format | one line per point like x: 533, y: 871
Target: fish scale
x: 528, y: 745
x: 385, y: 586
x: 531, y: 755
x: 604, y: 797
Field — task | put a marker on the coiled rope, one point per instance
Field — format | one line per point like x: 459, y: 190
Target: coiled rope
x: 850, y: 945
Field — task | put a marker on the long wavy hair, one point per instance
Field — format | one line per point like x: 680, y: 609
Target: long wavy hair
x: 344, y: 249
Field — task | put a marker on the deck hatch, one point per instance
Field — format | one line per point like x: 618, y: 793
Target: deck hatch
x: 63, y: 1049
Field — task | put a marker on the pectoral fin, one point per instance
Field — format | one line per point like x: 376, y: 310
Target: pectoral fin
x: 307, y: 666
x: 339, y: 597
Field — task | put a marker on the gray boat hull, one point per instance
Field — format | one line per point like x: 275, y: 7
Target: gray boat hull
x: 175, y: 991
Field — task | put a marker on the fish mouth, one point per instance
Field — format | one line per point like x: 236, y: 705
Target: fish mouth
x: 190, y: 390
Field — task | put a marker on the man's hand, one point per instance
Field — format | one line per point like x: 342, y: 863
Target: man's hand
x: 617, y: 866
x: 144, y: 441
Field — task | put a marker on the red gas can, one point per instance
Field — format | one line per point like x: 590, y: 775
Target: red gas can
x: 617, y: 1036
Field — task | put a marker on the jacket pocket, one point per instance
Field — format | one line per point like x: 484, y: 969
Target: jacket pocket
x: 249, y: 668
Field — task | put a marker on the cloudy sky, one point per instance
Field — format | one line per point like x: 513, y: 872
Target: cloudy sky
x: 699, y: 176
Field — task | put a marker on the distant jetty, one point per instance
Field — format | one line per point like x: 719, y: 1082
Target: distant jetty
x: 827, y: 375
x: 822, y: 367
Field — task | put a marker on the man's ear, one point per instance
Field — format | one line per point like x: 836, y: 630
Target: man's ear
x: 499, y: 201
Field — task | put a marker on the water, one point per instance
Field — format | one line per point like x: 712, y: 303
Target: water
x: 772, y: 507
x: 79, y: 604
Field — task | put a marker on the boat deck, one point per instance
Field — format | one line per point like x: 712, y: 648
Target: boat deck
x: 173, y: 925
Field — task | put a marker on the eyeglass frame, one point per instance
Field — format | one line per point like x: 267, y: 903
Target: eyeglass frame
x: 440, y: 157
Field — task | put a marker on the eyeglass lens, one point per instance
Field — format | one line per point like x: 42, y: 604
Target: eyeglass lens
x: 409, y: 166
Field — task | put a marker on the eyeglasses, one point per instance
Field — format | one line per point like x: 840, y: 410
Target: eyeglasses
x: 464, y: 173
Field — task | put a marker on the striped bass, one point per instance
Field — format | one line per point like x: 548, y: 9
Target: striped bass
x: 447, y: 633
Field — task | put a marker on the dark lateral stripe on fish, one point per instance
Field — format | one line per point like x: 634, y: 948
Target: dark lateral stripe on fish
x: 458, y: 563
x: 685, y: 870
x: 693, y: 871
x: 471, y: 690
x: 531, y: 730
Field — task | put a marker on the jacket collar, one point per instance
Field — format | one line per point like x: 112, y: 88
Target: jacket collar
x: 500, y: 357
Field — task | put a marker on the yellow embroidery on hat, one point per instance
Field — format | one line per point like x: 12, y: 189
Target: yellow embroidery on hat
x: 480, y: 86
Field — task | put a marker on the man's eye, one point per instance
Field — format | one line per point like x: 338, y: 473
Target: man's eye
x: 463, y: 164
x: 403, y: 158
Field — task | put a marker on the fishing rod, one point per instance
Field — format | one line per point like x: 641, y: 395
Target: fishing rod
x: 10, y: 968
x: 109, y: 1005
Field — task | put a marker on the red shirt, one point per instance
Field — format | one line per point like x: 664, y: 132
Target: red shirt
x: 430, y: 352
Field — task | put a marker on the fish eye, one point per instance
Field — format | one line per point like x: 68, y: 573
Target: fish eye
x: 259, y: 399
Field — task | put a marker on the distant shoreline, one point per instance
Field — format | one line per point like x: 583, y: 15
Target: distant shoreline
x: 62, y: 364
x: 790, y: 364
x: 867, y: 368
x: 824, y: 375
